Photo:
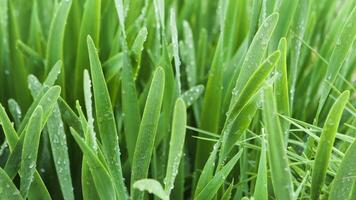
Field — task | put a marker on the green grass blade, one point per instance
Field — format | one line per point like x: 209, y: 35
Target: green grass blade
x: 15, y: 111
x: 227, y: 194
x: 278, y: 161
x: 91, y: 139
x: 8, y: 189
x: 261, y: 190
x: 152, y: 186
x: 215, y: 183
x: 130, y: 107
x: 281, y: 87
x: 106, y: 120
x: 338, y: 56
x: 148, y: 129
x: 192, y: 95
x: 30, y: 150
x: 102, y: 179
x: 9, y: 131
x: 327, y: 138
x: 176, y: 144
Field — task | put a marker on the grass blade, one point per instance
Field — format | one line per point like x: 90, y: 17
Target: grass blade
x: 8, y: 189
x: 106, y: 120
x: 176, y: 144
x: 327, y: 138
x: 147, y: 131
x: 278, y: 161
x: 30, y: 150
x: 261, y: 190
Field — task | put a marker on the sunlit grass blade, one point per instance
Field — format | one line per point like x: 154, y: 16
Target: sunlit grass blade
x: 278, y: 160
x: 8, y: 188
x: 327, y: 138
x: 30, y: 150
x: 176, y: 144
x: 106, y: 120
x: 147, y: 131
x: 102, y: 179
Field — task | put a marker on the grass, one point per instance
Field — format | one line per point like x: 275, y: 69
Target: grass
x: 169, y: 99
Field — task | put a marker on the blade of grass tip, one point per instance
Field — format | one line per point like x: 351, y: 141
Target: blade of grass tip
x: 90, y: 25
x: 9, y: 131
x: 29, y: 53
x: 147, y: 131
x: 215, y: 183
x: 261, y: 190
x: 281, y: 88
x: 69, y: 116
x: 188, y: 55
x: 137, y: 48
x: 324, y: 150
x: 130, y: 107
x: 208, y: 170
x: 176, y: 144
x: 278, y: 160
x: 106, y: 120
x: 344, y: 181
x: 227, y: 194
x: 151, y: 186
x: 102, y: 179
x: 54, y: 51
x: 246, y: 95
x: 30, y: 150
x: 15, y: 111
x: 89, y: 110
x: 338, y: 56
x: 192, y: 95
x: 8, y: 189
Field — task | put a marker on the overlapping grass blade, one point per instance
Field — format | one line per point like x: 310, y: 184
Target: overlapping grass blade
x: 176, y: 144
x: 15, y: 111
x: 152, y: 186
x: 30, y: 151
x: 8, y: 189
x: 9, y: 131
x: 106, y: 121
x: 327, y: 138
x: 261, y: 190
x: 278, y: 161
x: 103, y: 181
x: 147, y: 131
x: 215, y: 183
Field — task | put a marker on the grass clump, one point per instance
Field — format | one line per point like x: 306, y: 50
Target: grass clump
x: 169, y: 99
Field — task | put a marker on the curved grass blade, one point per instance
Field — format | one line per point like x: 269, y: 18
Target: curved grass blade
x: 227, y: 194
x: 278, y: 161
x: 215, y: 183
x: 176, y: 144
x: 147, y: 131
x: 247, y: 93
x: 30, y: 150
x: 8, y: 189
x: 326, y: 142
x: 152, y: 186
x: 103, y: 182
x: 343, y: 182
x: 15, y: 111
x: 106, y: 120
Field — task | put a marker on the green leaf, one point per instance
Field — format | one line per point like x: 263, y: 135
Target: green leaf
x: 327, y: 138
x: 278, y: 160
x: 106, y: 120
x: 30, y: 150
x: 9, y: 131
x: 102, y: 179
x: 215, y: 183
x: 148, y: 129
x: 176, y: 144
x: 192, y: 95
x: 8, y: 189
x: 261, y: 190
x: 151, y: 186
